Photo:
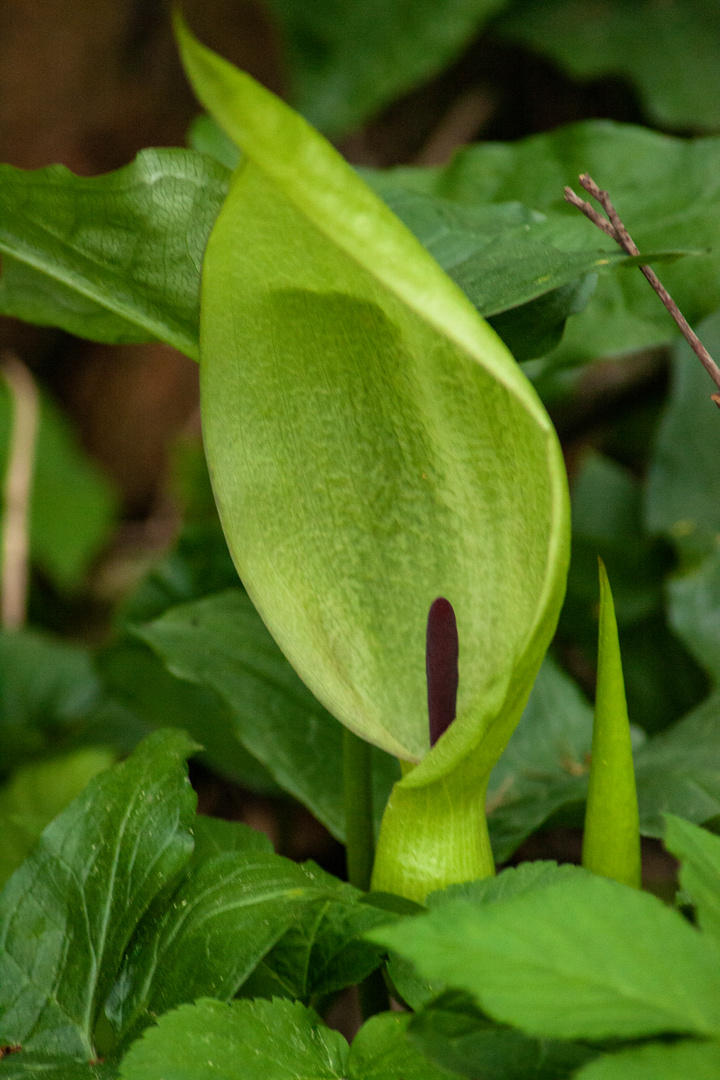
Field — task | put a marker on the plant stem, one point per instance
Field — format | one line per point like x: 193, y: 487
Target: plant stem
x: 614, y: 228
x: 357, y: 786
x: 17, y: 491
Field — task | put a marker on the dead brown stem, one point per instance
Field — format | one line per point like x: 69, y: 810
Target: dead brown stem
x: 613, y: 227
x: 17, y: 490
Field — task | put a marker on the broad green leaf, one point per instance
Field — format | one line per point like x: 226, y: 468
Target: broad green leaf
x: 36, y: 793
x: 683, y: 494
x: 381, y: 1050
x: 545, y: 764
x: 45, y: 1067
x: 373, y: 446
x: 678, y: 771
x: 214, y: 836
x: 611, y: 838
x: 47, y: 689
x: 694, y: 611
x: 664, y: 189
x: 272, y: 1040
x: 114, y: 258
x: 699, y: 855
x: 68, y: 912
x: 321, y: 954
x: 140, y: 682
x: 207, y: 937
x: 525, y: 272
x: 683, y: 1060
x: 221, y: 644
x: 454, y: 1033
x: 581, y: 959
x: 349, y: 60
x: 72, y: 506
x: 513, y: 881
x: 245, y: 1040
x: 670, y: 51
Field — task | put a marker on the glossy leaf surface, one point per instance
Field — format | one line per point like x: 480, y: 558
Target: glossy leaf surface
x: 207, y: 937
x: 69, y: 911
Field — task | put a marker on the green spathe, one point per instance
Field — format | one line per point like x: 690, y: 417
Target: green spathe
x: 373, y: 445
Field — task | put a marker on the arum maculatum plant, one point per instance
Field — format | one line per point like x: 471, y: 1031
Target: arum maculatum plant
x: 392, y: 490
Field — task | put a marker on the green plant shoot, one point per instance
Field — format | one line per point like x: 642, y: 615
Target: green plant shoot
x: 611, y: 843
x: 373, y: 446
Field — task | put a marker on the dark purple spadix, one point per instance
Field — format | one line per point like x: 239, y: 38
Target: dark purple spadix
x: 441, y: 667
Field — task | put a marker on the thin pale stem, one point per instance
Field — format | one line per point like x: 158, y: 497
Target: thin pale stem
x: 357, y: 787
x: 18, y: 490
x: 613, y: 227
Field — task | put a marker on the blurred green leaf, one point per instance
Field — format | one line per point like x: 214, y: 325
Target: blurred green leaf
x: 67, y: 914
x: 664, y: 189
x: 207, y: 137
x: 545, y: 764
x: 694, y: 611
x: 113, y: 258
x: 677, y: 1061
x: 138, y: 680
x: 36, y: 793
x: 221, y: 645
x: 678, y: 771
x: 671, y: 51
x: 683, y: 493
x: 661, y: 680
x: 584, y: 958
x: 47, y: 690
x: 348, y: 60
x: 72, y: 506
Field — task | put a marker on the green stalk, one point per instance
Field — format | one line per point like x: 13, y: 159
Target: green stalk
x: 611, y: 842
x: 435, y: 835
x: 357, y: 787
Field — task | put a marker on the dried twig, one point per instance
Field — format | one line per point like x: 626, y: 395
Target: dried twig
x: 17, y: 490
x: 614, y: 228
